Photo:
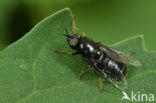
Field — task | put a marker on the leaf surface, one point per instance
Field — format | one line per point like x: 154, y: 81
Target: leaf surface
x: 30, y: 72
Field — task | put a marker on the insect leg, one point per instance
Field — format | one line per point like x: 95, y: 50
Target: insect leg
x: 80, y: 75
x: 74, y: 24
x: 82, y: 72
x: 100, y: 80
x: 69, y: 53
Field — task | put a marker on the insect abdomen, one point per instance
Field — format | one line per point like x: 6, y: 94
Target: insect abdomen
x: 111, y: 68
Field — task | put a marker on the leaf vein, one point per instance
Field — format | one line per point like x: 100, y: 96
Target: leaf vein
x: 34, y: 66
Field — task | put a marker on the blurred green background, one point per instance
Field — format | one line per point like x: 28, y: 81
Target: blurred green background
x: 108, y: 21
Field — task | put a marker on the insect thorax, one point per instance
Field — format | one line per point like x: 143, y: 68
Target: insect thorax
x: 89, y: 49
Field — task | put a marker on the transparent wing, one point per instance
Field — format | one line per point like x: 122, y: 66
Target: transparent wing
x: 128, y: 59
x: 122, y: 84
x: 120, y: 56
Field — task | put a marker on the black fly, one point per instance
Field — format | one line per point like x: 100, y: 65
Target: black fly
x: 107, y: 62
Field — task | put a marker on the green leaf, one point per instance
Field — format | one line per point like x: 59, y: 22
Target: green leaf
x: 30, y: 72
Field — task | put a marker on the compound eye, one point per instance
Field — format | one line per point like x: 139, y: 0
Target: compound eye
x: 78, y: 36
x: 73, y: 42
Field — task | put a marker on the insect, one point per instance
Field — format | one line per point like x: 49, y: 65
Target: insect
x: 107, y: 62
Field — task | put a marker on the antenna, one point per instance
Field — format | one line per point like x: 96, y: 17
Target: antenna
x: 67, y: 34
